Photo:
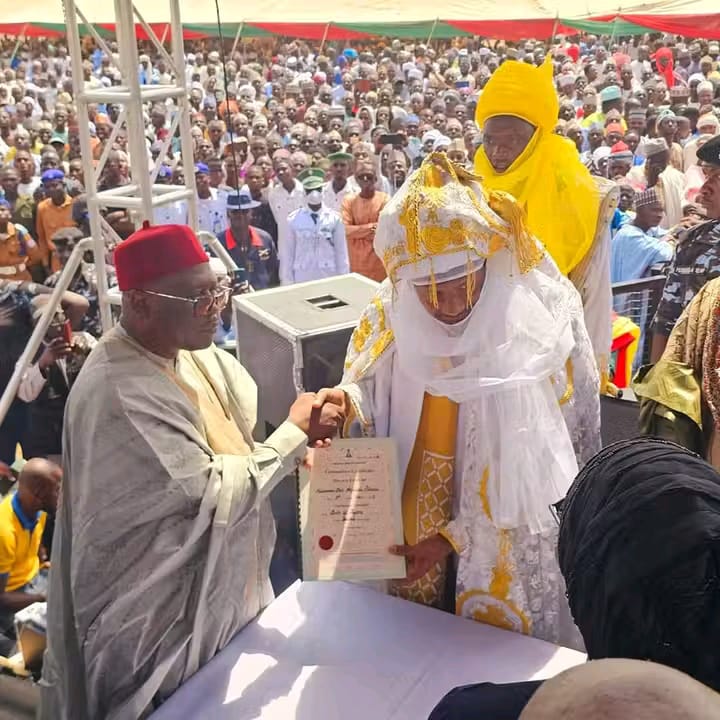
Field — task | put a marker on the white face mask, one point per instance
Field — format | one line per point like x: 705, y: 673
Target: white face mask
x: 314, y: 197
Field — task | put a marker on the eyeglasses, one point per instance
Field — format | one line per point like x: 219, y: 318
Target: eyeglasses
x: 366, y: 178
x: 202, y: 304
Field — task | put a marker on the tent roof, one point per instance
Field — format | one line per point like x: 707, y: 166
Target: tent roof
x: 358, y: 19
x: 351, y: 11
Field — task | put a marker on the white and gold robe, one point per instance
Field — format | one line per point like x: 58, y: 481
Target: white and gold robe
x: 506, y: 577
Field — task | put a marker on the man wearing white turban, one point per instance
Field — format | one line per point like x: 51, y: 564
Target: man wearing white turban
x: 659, y: 173
x: 475, y: 358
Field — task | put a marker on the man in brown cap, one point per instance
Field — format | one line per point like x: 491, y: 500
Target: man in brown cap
x: 164, y: 531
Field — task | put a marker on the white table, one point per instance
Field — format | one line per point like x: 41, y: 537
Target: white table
x: 324, y: 651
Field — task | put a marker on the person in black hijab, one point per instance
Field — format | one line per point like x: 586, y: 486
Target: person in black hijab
x: 639, y: 548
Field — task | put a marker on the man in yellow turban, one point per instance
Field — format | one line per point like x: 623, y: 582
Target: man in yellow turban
x: 568, y: 210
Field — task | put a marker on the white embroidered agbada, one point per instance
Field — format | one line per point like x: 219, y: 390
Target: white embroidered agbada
x: 162, y: 544
x: 517, y: 380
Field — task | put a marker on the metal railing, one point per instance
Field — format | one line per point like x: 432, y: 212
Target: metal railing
x: 638, y: 300
x: 38, y: 334
x: 218, y: 248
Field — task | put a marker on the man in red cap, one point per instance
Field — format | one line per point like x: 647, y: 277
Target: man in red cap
x: 164, y: 531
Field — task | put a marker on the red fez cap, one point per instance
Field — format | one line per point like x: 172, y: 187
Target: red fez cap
x: 153, y: 252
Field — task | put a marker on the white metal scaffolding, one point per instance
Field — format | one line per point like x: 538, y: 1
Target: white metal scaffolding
x: 141, y: 196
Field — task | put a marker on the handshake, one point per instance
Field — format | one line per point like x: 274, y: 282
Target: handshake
x: 320, y: 415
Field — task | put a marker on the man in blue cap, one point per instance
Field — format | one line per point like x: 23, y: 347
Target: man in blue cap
x: 315, y: 247
x: 252, y: 249
x: 53, y: 214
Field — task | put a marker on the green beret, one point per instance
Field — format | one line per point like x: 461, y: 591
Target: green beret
x: 312, y: 178
x: 334, y: 157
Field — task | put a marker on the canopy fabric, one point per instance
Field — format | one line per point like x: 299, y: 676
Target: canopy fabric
x: 359, y: 19
x: 617, y: 26
x: 291, y: 11
x: 707, y: 26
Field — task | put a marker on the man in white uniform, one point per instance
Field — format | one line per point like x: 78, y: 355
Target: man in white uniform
x: 315, y: 247
x: 164, y: 531
x: 474, y: 357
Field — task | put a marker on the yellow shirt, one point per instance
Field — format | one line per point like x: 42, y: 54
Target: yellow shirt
x: 599, y: 117
x: 20, y: 538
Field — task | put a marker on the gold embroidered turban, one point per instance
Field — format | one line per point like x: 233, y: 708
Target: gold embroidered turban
x: 443, y: 218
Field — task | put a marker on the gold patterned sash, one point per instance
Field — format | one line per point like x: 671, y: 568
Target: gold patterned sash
x: 222, y: 433
x: 428, y: 492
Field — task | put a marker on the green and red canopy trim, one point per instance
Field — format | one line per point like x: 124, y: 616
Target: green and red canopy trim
x: 706, y: 26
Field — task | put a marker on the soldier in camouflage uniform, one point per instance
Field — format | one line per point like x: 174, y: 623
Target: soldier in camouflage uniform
x: 697, y: 259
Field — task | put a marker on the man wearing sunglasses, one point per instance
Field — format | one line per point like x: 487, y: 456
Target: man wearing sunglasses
x: 164, y: 532
x: 252, y: 248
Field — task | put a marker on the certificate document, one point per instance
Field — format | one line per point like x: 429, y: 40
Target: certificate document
x: 350, y: 512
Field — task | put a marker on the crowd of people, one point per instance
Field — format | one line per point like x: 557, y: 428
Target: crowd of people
x: 434, y: 170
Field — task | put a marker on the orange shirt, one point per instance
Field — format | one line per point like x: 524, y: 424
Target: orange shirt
x: 17, y: 252
x: 223, y: 108
x: 50, y: 219
x: 360, y: 216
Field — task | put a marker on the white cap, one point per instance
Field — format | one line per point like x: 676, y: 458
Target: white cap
x: 441, y: 142
x: 431, y: 135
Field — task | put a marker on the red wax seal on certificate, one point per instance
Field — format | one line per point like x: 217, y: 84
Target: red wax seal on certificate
x: 325, y: 542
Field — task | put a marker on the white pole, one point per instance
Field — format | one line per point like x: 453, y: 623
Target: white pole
x: 183, y: 104
x: 73, y: 35
x: 18, y: 43
x: 237, y: 40
x: 127, y: 43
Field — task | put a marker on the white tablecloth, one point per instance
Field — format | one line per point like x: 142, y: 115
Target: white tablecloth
x: 325, y: 651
